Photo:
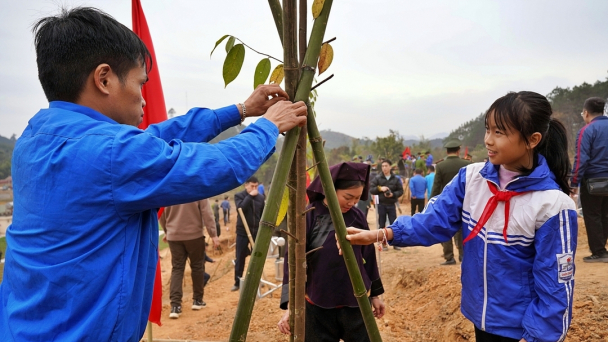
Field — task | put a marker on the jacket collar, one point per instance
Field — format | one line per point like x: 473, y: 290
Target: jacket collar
x: 540, y: 179
x: 73, y: 107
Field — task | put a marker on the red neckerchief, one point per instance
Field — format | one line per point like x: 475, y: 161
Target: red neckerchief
x: 499, y: 196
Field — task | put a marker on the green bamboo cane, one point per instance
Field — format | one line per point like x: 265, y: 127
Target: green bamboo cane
x: 271, y: 210
x: 277, y: 14
x: 290, y: 61
x: 336, y: 215
x: 299, y: 327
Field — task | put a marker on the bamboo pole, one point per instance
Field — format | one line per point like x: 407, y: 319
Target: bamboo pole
x: 271, y: 210
x: 277, y: 14
x: 338, y: 220
x: 299, y: 327
x: 290, y: 62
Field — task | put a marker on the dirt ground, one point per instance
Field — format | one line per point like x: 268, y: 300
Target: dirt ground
x: 422, y: 298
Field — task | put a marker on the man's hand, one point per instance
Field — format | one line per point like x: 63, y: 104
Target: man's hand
x: 389, y: 195
x: 262, y: 98
x: 384, y: 188
x: 252, y: 189
x: 286, y: 115
x: 216, y: 241
x: 284, y: 323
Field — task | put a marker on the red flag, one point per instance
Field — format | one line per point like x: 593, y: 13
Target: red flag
x: 154, y: 111
x: 466, y: 150
x: 406, y: 152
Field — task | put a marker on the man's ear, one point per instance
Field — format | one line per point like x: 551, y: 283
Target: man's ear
x: 102, y: 78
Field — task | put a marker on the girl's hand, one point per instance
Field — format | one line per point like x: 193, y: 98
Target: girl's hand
x: 358, y: 236
x: 523, y: 340
x: 378, y: 307
x: 284, y: 323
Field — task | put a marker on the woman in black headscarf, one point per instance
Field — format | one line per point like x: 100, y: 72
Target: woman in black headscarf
x: 332, y: 311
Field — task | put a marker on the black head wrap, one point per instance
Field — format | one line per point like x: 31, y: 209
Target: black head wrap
x: 343, y: 171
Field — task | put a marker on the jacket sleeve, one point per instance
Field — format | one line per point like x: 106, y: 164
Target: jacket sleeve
x: 549, y: 315
x: 437, y: 183
x: 198, y: 125
x: 208, y: 219
x: 373, y: 186
x: 163, y: 220
x: 147, y: 172
x: 439, y: 221
x: 581, y: 157
x: 398, y: 190
x: 243, y: 200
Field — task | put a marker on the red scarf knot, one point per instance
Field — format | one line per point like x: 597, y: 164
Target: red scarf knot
x: 499, y: 196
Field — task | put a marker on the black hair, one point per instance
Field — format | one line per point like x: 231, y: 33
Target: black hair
x: 342, y: 184
x: 528, y: 112
x: 418, y: 171
x: 386, y: 161
x: 453, y: 149
x: 431, y: 168
x: 70, y: 45
x: 252, y: 179
x: 594, y: 105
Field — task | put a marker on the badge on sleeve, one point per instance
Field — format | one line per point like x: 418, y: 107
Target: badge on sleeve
x: 565, y: 267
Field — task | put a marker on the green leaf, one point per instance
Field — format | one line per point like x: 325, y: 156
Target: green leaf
x: 229, y: 44
x: 218, y: 43
x: 283, y: 207
x: 277, y: 74
x: 317, y: 7
x: 261, y: 72
x: 233, y: 63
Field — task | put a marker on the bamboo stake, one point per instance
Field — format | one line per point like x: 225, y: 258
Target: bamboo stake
x: 290, y: 58
x: 249, y: 236
x: 338, y: 220
x: 277, y: 14
x: 299, y: 328
x: 271, y: 210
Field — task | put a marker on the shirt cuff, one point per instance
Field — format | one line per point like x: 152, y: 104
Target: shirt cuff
x: 228, y: 116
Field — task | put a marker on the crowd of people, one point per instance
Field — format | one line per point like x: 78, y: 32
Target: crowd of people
x: 81, y: 255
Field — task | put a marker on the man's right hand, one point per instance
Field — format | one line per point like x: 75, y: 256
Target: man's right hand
x: 286, y: 115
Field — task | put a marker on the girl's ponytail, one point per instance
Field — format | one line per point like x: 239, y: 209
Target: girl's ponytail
x: 554, y: 147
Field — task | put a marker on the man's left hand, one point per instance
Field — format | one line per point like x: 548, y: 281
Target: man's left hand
x: 262, y: 98
x: 216, y: 242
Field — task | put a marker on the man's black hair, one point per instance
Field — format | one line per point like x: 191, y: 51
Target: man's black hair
x: 418, y: 171
x: 431, y: 168
x: 252, y: 179
x: 386, y: 161
x: 69, y: 46
x: 594, y: 105
x: 453, y: 149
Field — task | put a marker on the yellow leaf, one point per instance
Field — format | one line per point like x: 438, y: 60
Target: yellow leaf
x: 277, y: 74
x: 325, y: 57
x: 317, y: 7
x: 283, y: 207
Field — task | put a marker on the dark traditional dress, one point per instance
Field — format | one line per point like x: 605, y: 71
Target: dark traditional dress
x: 332, y: 311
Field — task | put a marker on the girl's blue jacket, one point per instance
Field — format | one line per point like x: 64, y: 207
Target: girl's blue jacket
x: 522, y: 287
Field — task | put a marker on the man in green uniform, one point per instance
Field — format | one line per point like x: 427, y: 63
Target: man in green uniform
x: 421, y: 163
x: 444, y: 172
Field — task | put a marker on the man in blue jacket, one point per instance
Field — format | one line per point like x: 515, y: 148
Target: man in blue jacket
x: 418, y: 188
x: 591, y: 162
x: 82, y: 248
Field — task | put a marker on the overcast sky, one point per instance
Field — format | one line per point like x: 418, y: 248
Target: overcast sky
x: 420, y: 67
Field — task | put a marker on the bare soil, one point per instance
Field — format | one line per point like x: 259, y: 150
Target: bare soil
x: 422, y: 298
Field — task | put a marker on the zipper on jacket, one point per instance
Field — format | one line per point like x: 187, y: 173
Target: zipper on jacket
x: 485, y: 282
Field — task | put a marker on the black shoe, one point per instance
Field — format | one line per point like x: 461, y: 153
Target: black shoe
x: 397, y: 248
x: 234, y: 288
x: 175, y: 312
x: 596, y: 258
x: 449, y: 262
x: 198, y: 304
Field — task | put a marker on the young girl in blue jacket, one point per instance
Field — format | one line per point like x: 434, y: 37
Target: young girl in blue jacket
x: 518, y: 222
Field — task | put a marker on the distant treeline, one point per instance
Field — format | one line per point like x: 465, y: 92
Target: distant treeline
x: 6, y: 153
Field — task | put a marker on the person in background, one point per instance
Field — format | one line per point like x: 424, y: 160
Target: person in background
x: 261, y: 189
x: 252, y: 205
x: 226, y: 211
x: 216, y: 215
x: 430, y: 179
x: 421, y: 163
x: 388, y: 188
x: 445, y: 171
x: 429, y: 159
x: 591, y: 163
x: 418, y: 188
x: 183, y: 225
x: 520, y: 225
